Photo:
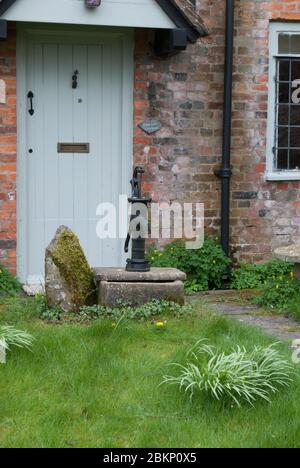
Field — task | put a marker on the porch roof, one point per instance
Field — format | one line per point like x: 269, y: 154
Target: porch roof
x: 171, y: 14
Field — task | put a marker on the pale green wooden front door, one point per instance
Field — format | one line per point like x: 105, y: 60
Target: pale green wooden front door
x: 66, y: 188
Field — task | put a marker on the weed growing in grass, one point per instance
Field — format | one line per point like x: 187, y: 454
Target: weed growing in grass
x: 238, y: 377
x: 44, y: 312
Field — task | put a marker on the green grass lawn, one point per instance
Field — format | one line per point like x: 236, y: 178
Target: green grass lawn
x: 97, y: 386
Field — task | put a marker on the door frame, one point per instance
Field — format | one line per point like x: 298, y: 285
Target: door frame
x: 24, y: 32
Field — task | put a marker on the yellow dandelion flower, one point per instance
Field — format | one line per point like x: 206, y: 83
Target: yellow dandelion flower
x: 160, y: 324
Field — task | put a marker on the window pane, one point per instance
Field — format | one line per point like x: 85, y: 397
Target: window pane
x: 295, y: 137
x: 295, y: 70
x: 295, y: 44
x: 282, y: 159
x: 283, y: 137
x: 283, y: 114
x: 287, y: 122
x: 284, y: 91
x: 295, y: 115
x: 295, y: 159
x: 284, y: 70
x: 284, y: 44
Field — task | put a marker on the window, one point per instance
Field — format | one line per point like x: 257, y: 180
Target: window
x: 283, y: 149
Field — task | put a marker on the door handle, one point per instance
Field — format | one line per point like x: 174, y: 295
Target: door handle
x: 30, y: 96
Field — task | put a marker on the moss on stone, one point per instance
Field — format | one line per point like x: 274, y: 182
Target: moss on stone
x: 69, y: 258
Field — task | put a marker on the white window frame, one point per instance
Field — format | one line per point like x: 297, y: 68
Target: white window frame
x: 277, y: 28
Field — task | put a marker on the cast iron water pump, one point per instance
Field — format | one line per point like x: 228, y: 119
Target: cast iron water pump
x: 138, y: 261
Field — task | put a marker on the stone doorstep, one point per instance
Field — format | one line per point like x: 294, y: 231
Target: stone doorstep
x: 138, y: 293
x: 155, y: 275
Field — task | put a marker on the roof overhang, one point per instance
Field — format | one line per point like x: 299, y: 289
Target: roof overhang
x: 158, y: 14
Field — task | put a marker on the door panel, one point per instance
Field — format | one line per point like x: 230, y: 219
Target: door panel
x: 66, y: 188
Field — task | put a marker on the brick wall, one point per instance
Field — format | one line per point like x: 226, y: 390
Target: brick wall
x: 8, y: 153
x: 186, y: 95
x: 264, y: 214
x: 188, y: 89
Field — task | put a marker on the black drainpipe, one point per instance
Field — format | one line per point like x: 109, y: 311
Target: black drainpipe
x: 224, y: 172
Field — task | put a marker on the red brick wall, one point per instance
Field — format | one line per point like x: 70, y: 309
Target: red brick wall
x: 180, y: 159
x: 268, y: 214
x: 8, y: 153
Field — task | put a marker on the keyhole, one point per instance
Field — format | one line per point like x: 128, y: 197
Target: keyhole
x: 75, y: 79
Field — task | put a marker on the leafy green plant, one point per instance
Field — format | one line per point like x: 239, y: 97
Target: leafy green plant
x: 205, y: 267
x: 152, y: 309
x: 278, y: 293
x: 44, y: 312
x: 122, y: 311
x: 251, y: 276
x: 238, y: 377
x: 9, y: 285
x: 10, y: 336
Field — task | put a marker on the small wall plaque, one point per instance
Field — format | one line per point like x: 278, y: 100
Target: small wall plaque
x: 151, y: 126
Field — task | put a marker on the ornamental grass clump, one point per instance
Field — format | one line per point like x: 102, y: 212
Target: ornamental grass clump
x: 10, y: 336
x: 238, y: 377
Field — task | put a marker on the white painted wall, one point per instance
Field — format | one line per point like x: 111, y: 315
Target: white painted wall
x: 132, y: 13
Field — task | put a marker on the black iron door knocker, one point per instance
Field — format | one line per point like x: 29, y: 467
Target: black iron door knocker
x: 75, y: 79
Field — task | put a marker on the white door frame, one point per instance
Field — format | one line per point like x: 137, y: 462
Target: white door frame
x: 24, y: 32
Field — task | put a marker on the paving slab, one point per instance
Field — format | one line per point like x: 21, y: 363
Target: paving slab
x: 283, y: 328
x: 234, y: 309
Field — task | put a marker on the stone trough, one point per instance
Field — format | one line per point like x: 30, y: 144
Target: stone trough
x: 137, y: 288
